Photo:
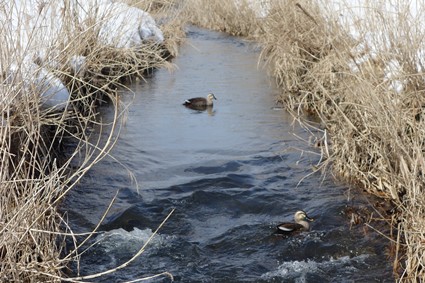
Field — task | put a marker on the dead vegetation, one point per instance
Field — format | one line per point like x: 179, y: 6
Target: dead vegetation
x: 359, y: 69
x: 45, y: 152
x: 361, y: 74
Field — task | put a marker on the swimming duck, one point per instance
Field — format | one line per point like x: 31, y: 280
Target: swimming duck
x: 200, y: 101
x: 300, y: 224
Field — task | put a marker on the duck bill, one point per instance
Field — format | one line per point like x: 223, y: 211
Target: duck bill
x: 309, y: 218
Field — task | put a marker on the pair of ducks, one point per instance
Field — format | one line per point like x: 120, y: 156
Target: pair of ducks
x: 301, y: 218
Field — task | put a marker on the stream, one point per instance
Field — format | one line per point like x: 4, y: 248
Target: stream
x: 232, y: 173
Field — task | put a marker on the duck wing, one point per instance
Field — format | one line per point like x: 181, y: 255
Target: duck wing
x: 289, y: 227
x: 195, y: 100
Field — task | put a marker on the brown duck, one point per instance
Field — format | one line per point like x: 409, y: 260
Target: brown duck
x: 301, y: 224
x: 199, y: 102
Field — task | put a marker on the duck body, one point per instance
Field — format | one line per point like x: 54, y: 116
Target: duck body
x: 301, y: 224
x: 200, y: 102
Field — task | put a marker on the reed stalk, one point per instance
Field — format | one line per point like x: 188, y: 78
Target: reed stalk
x: 46, y: 151
x: 358, y: 67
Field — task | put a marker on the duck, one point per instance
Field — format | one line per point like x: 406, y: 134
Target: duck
x: 200, y: 102
x: 301, y: 224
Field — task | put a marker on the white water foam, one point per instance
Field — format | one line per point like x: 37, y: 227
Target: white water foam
x: 298, y: 270
x: 119, y: 240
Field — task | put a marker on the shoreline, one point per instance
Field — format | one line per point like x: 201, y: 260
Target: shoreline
x: 352, y: 68
x: 61, y: 62
x: 370, y: 108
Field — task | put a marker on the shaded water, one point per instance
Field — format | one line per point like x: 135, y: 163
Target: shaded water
x: 231, y: 174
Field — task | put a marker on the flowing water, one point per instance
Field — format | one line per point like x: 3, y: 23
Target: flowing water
x: 231, y: 173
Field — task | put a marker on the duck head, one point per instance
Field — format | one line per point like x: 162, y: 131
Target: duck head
x: 211, y: 96
x: 301, y: 216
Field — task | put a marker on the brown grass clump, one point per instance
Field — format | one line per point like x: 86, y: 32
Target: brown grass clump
x: 359, y: 69
x: 233, y: 17
x: 45, y: 151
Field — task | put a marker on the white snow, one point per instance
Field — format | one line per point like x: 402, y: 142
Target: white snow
x: 126, y: 27
x: 77, y: 64
x: 53, y: 94
x: 375, y: 25
x: 36, y: 28
x: 379, y: 25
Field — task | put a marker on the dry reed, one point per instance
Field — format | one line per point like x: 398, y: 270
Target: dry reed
x: 366, y: 89
x: 45, y: 152
x: 358, y: 67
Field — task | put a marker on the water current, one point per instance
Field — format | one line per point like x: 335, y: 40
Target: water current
x: 231, y: 173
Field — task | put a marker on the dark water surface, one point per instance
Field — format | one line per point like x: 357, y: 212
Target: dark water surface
x: 231, y: 174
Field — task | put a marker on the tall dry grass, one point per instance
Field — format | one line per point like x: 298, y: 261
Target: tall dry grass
x: 45, y: 152
x: 357, y: 66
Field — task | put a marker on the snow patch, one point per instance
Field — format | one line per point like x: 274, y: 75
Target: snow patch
x: 37, y: 26
x: 38, y: 80
x: 123, y: 26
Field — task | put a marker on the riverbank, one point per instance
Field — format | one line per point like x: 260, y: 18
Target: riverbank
x: 59, y: 61
x: 365, y: 86
x: 358, y: 68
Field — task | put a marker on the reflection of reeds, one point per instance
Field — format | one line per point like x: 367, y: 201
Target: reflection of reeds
x: 360, y: 70
x: 44, y: 152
